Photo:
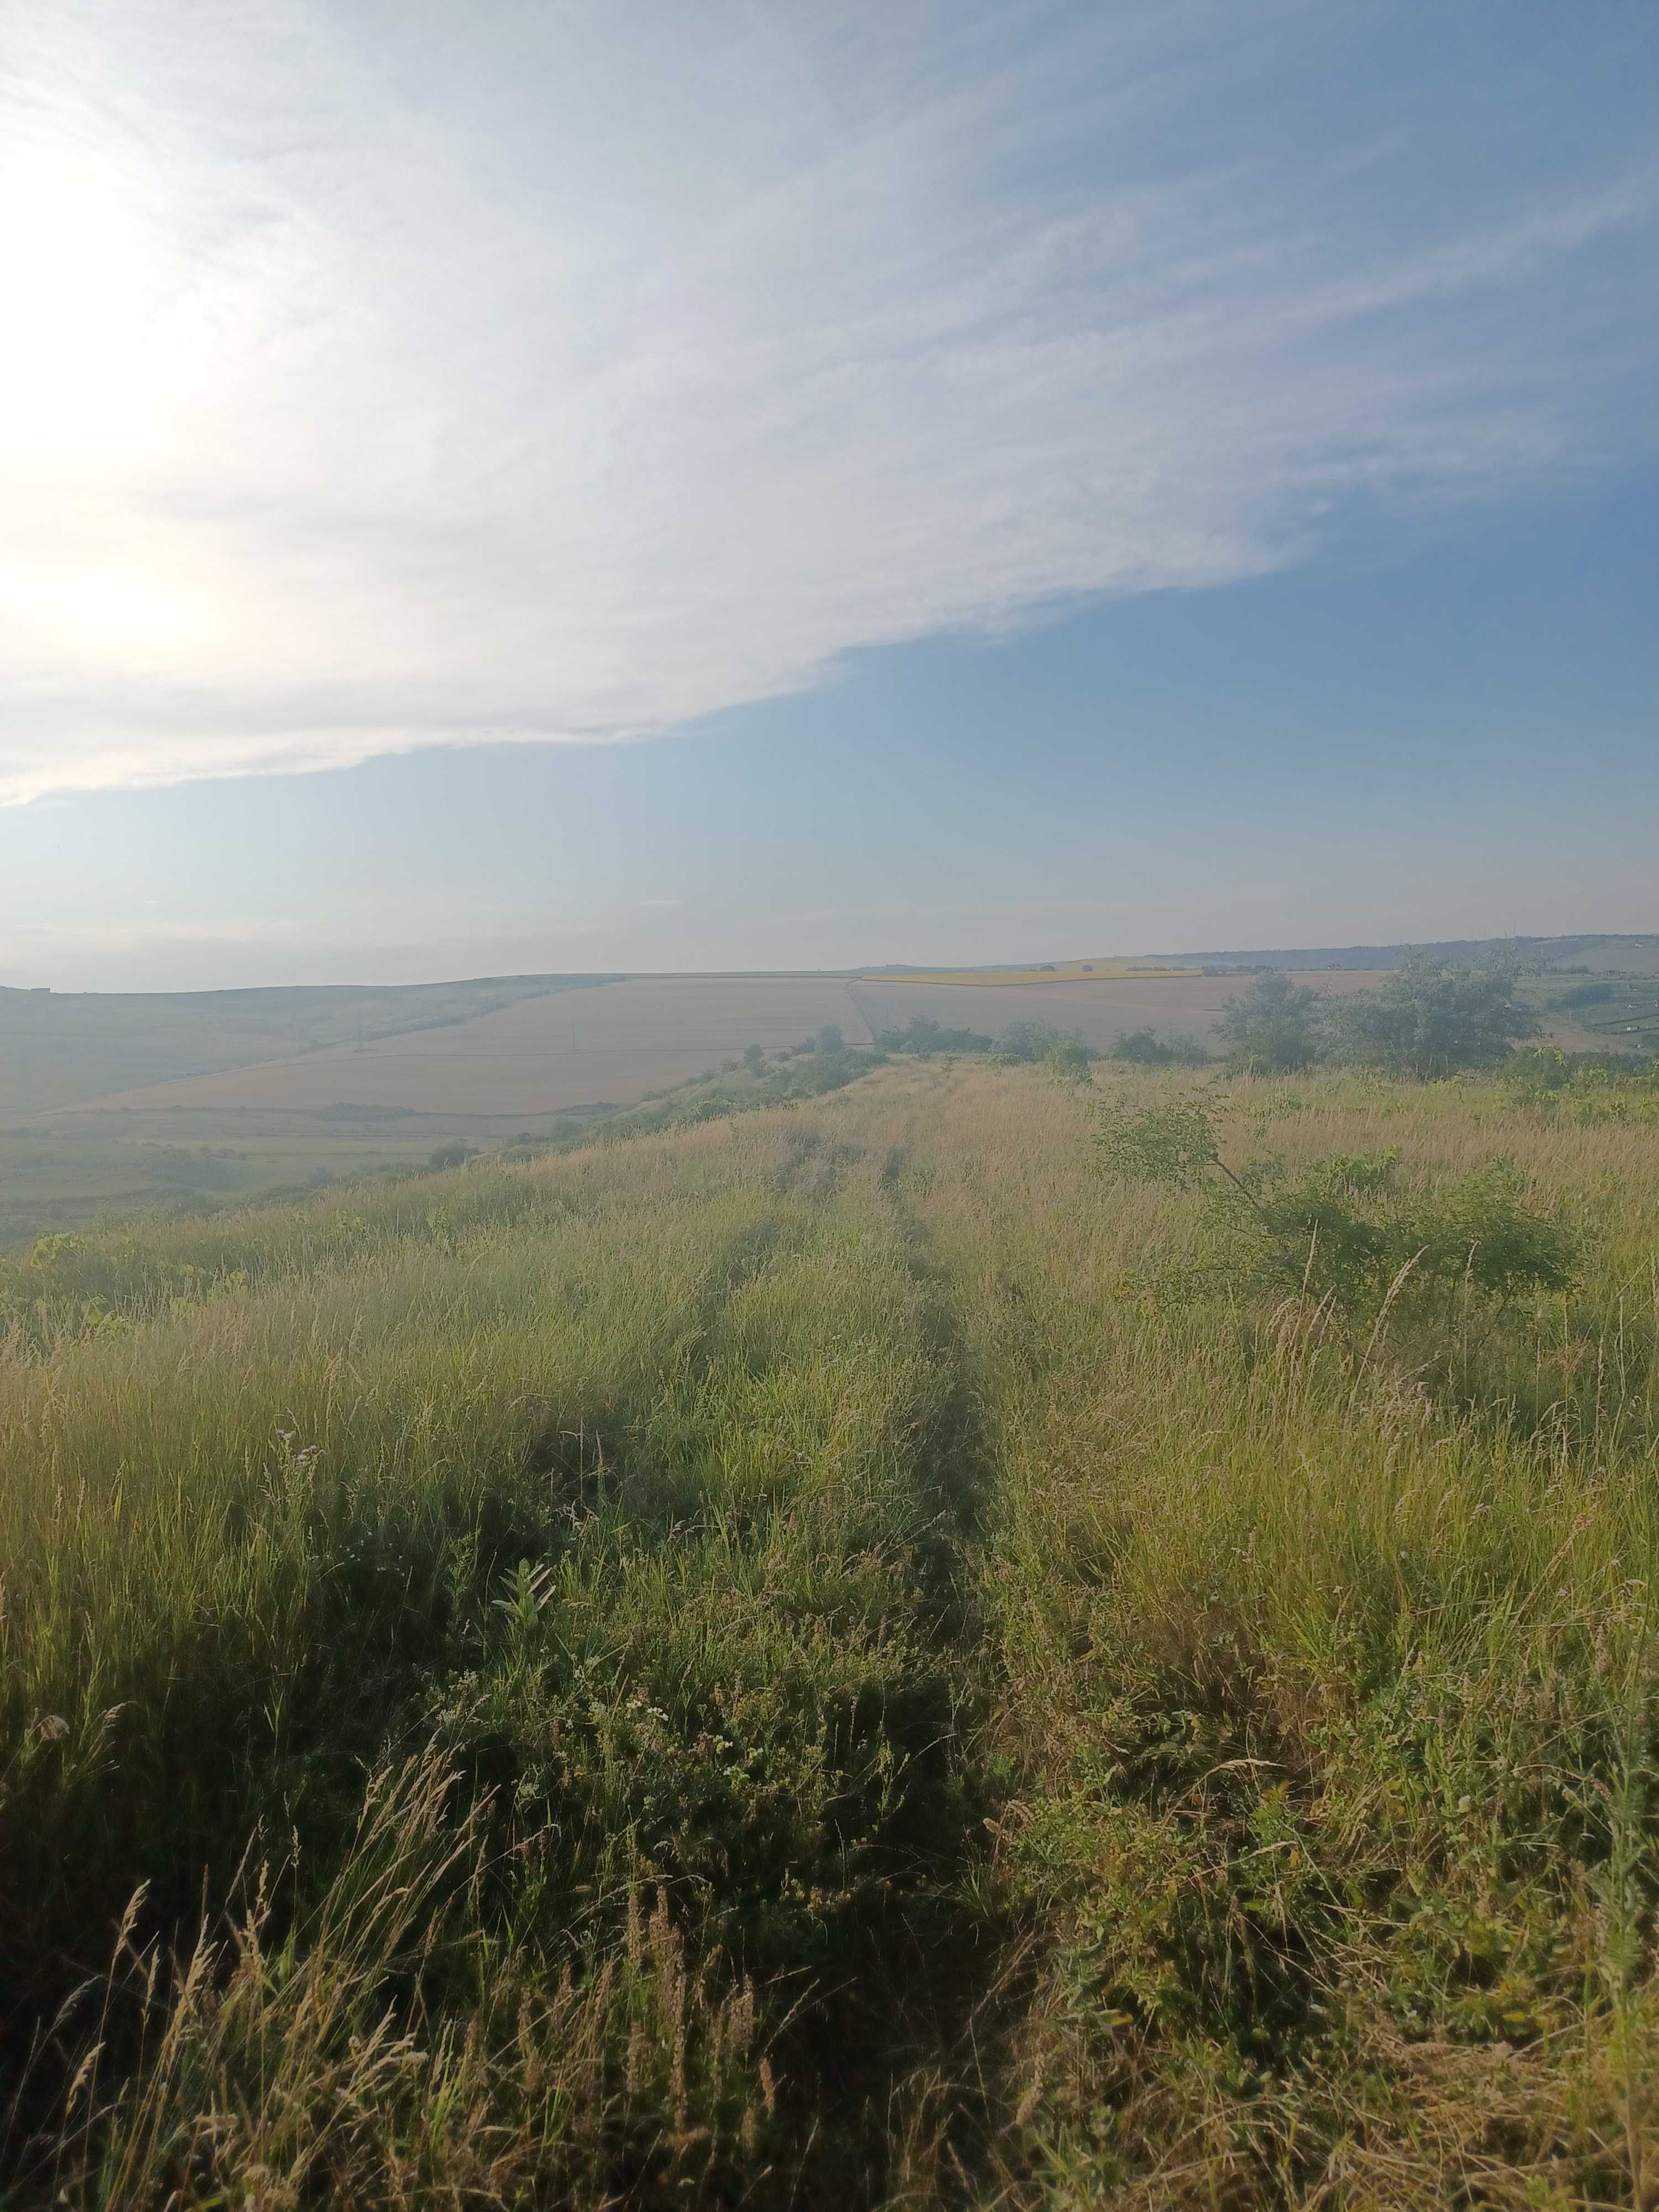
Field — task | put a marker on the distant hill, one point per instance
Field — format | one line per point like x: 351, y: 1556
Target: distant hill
x: 66, y: 1048
x: 1601, y: 955
x: 59, y: 1048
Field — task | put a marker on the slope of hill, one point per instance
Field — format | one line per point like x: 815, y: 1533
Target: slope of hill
x: 1626, y: 955
x: 182, y: 1101
x: 615, y: 1040
x: 850, y: 1658
x: 58, y: 1048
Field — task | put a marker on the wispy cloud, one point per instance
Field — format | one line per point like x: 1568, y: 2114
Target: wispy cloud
x: 380, y: 380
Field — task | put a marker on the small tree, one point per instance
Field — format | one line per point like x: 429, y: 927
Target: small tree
x: 1273, y: 1028
x: 1070, y: 1059
x: 1144, y: 1047
x: 753, y: 1059
x: 1434, y: 1017
x: 1028, y: 1041
x: 830, y: 1039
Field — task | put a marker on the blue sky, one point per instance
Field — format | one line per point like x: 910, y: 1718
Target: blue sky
x: 628, y: 486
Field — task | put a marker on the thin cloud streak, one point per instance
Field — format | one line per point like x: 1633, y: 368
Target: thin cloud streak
x: 566, y: 376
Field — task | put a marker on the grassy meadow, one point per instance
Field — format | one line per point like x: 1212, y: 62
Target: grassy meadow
x: 113, y: 1105
x: 267, y: 1092
x: 849, y: 1655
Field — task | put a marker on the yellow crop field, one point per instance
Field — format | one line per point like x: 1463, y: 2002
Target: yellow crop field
x: 1057, y: 971
x: 1099, y: 1008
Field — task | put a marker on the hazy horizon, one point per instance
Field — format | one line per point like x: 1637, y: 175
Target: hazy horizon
x: 1314, y: 955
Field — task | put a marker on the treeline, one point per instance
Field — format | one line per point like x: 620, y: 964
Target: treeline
x: 1430, y: 1019
x: 1021, y: 1044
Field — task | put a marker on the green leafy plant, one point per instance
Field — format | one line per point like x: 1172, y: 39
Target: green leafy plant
x: 1343, y: 1230
x: 1432, y: 1017
x: 1144, y: 1047
x: 1274, y: 1027
x: 1069, y: 1060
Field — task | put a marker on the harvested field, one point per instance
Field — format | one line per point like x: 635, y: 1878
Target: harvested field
x: 1099, y: 1012
x: 1050, y: 973
x: 615, y: 1042
x: 66, y: 1048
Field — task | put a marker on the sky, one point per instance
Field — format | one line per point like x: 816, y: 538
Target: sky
x: 606, y: 484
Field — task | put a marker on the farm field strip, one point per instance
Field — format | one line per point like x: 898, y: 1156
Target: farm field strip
x: 58, y: 1048
x: 1060, y: 971
x: 1099, y: 1010
x: 612, y: 1041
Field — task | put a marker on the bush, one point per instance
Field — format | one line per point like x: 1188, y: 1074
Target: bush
x: 1273, y: 1028
x: 925, y: 1036
x: 1433, y: 1018
x: 454, y: 1154
x: 1070, y: 1060
x: 1538, y: 1070
x: 1144, y: 1047
x: 1027, y: 1042
x: 1342, y: 1231
x: 1353, y: 1237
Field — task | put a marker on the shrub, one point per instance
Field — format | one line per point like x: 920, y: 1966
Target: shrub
x: 1357, y: 1240
x: 1273, y: 1028
x: 1538, y: 1070
x: 1433, y: 1018
x: 1070, y: 1060
x: 1144, y: 1047
x: 1029, y: 1041
x: 922, y: 1035
x: 1586, y: 994
x: 1342, y: 1229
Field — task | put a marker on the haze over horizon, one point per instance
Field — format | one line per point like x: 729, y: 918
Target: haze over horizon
x: 544, y: 491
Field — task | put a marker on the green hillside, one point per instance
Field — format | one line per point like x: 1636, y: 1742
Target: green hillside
x: 855, y: 1654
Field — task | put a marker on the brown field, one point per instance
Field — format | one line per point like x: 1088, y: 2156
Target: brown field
x: 1099, y: 1012
x: 1053, y: 972
x: 616, y: 1041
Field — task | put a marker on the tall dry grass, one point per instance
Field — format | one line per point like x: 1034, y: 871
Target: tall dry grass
x: 837, y: 1657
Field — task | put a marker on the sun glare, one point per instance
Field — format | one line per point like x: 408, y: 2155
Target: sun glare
x: 82, y: 273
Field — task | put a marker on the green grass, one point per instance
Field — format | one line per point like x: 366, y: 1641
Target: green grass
x: 1615, y: 1012
x: 101, y: 1167
x: 836, y: 1656
x: 73, y: 1171
x: 64, y: 1171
